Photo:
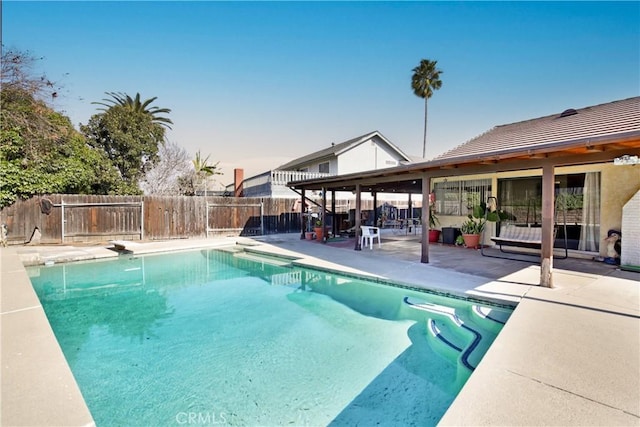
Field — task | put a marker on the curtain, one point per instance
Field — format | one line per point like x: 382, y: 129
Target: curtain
x: 590, y: 230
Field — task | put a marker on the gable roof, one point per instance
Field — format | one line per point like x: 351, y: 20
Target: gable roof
x: 596, y: 134
x: 337, y: 149
x: 589, y: 123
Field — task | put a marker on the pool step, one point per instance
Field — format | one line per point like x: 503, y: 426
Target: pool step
x: 228, y: 249
x: 449, y: 331
x: 493, y: 317
x: 279, y: 262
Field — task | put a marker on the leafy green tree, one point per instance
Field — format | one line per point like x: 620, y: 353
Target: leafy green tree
x: 425, y: 80
x: 129, y: 138
x: 129, y: 131
x: 138, y: 106
x: 40, y: 151
x: 68, y: 166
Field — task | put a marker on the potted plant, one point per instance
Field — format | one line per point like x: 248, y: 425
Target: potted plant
x: 472, y: 228
x: 434, y: 235
x: 318, y: 229
x: 308, y: 233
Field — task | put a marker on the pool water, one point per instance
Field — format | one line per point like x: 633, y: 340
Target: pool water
x: 216, y: 337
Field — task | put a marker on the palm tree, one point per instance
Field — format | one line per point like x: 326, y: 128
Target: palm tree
x: 204, y: 169
x: 136, y: 105
x: 426, y: 79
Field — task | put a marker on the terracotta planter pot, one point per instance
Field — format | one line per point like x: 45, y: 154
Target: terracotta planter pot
x: 434, y: 236
x: 319, y: 232
x: 471, y: 240
x: 308, y: 235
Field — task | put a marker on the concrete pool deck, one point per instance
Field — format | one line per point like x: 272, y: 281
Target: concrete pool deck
x: 567, y: 356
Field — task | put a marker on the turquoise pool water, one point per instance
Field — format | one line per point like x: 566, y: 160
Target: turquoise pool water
x: 215, y: 337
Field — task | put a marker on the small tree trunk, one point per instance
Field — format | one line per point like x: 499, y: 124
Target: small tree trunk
x: 424, y: 141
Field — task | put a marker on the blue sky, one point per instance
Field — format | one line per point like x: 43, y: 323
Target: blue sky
x: 257, y: 84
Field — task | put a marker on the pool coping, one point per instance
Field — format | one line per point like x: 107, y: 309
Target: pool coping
x: 38, y: 387
x: 534, y: 363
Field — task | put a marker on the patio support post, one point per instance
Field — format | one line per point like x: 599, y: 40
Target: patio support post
x: 358, y: 213
x: 375, y: 205
x: 302, y: 212
x: 424, y: 234
x: 334, y: 227
x: 548, y: 190
x: 409, y: 208
x: 324, y: 215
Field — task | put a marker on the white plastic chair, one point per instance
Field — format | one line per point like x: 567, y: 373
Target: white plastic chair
x: 369, y: 233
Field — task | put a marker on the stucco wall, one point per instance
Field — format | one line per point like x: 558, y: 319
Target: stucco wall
x: 630, y: 255
x: 618, y: 185
x: 369, y: 155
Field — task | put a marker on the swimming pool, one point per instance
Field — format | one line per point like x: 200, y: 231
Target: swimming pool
x: 225, y: 337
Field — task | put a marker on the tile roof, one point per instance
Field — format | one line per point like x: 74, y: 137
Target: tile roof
x: 612, y: 118
x: 337, y: 149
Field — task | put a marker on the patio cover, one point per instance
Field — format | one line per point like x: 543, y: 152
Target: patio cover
x: 590, y: 135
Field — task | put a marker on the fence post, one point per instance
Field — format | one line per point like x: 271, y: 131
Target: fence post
x: 62, y: 221
x: 206, y: 225
x: 261, y: 217
x: 142, y: 219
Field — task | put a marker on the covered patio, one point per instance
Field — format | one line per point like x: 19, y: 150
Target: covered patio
x: 592, y: 135
x: 398, y: 258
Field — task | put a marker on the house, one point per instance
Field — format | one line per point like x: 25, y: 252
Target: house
x: 588, y: 155
x: 371, y: 151
x: 593, y: 192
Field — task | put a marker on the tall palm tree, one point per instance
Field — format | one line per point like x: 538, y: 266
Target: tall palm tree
x: 426, y: 79
x: 136, y: 105
x: 203, y: 169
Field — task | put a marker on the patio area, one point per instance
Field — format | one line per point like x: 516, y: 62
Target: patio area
x: 406, y: 247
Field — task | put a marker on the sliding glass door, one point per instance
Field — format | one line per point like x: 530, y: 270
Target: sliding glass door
x: 577, y: 207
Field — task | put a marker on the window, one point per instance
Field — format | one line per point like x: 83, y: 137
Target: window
x: 577, y: 207
x: 459, y: 197
x: 521, y: 198
x: 323, y: 167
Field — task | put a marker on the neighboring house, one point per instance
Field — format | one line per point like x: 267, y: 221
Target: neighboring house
x: 371, y: 151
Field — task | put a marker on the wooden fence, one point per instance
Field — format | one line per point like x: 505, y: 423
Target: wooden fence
x: 88, y: 218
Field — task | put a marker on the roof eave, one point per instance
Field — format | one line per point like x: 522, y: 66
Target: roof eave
x: 462, y: 160
x: 537, y: 149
